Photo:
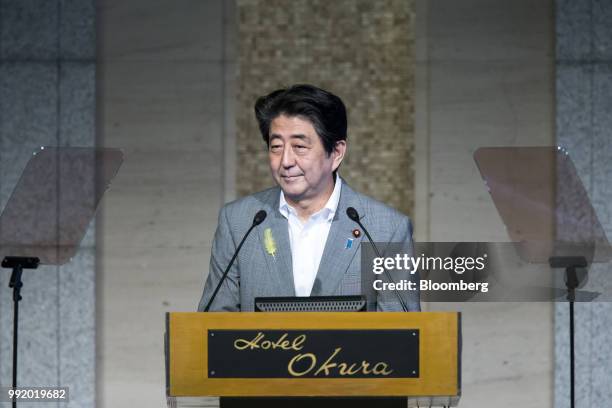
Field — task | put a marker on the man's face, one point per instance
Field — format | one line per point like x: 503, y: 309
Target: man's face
x: 298, y: 161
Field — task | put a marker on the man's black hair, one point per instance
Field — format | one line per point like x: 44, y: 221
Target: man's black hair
x: 323, y: 109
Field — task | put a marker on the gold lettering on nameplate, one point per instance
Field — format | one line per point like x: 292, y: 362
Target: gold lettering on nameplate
x: 260, y: 342
x: 298, y: 358
x: 343, y: 368
x: 328, y: 367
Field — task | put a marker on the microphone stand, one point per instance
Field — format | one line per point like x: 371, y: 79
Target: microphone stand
x: 258, y: 219
x: 17, y: 264
x: 570, y: 263
x: 354, y: 215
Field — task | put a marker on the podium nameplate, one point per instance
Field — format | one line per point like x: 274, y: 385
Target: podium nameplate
x: 313, y: 353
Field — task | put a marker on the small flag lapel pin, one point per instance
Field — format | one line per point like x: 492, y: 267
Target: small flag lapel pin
x: 269, y: 243
x: 349, y: 243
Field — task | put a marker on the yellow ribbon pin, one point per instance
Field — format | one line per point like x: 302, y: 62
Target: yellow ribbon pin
x: 269, y: 243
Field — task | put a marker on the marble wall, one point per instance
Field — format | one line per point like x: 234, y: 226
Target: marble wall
x: 361, y: 50
x: 583, y: 70
x: 47, y: 98
x: 166, y: 75
x: 484, y: 78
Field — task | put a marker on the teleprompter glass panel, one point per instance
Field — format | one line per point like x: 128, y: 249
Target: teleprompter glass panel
x: 54, y: 201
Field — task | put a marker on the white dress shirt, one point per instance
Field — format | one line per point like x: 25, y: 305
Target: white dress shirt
x: 308, y: 239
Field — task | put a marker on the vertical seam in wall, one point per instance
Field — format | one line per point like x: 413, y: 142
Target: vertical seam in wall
x: 555, y: 141
x: 591, y: 67
x: 230, y: 78
x: 1, y: 53
x: 98, y: 326
x: 422, y: 119
x: 428, y: 129
x: 592, y: 168
x: 224, y: 147
x: 560, y: 308
x: 553, y: 76
x: 1, y: 143
x: 58, y: 185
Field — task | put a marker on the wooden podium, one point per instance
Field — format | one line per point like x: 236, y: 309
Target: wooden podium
x: 414, y: 355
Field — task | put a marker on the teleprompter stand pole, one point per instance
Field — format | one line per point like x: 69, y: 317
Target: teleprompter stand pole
x: 570, y: 263
x: 17, y: 264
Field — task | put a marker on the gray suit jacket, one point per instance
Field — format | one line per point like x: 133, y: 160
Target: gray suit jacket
x: 256, y: 273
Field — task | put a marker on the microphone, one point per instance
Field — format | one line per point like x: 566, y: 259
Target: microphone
x: 258, y: 219
x: 354, y: 215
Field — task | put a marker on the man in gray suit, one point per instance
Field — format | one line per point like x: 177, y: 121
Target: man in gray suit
x: 307, y: 245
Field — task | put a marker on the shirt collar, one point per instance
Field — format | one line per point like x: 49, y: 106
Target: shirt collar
x: 328, y: 211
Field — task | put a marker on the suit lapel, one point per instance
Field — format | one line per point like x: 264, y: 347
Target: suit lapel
x: 279, y: 264
x: 337, y: 256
